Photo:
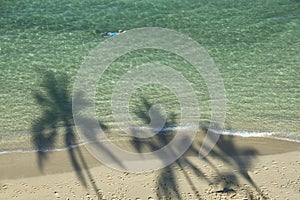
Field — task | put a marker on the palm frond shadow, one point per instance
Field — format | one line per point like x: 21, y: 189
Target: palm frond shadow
x: 91, y: 130
x: 56, y: 123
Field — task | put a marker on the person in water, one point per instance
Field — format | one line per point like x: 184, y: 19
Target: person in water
x: 109, y: 34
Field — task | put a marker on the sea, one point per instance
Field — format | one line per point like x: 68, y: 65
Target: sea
x: 254, y: 45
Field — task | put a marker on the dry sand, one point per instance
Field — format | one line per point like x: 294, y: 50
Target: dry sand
x: 238, y: 168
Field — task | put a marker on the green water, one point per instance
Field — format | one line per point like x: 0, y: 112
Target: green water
x: 255, y: 45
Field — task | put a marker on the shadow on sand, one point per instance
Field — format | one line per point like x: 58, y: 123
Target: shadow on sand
x: 57, y: 112
x: 55, y: 102
x: 240, y: 160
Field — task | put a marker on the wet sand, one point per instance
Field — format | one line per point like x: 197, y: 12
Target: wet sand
x: 237, y: 168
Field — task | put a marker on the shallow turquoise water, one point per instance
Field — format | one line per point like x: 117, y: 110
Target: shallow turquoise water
x: 255, y: 45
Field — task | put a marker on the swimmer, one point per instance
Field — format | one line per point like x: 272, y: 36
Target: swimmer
x: 109, y: 34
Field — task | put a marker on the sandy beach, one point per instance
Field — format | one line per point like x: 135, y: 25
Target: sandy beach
x: 231, y: 66
x: 237, y: 168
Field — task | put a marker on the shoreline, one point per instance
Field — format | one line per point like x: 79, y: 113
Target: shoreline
x: 243, y: 166
x: 27, y: 145
x: 262, y: 146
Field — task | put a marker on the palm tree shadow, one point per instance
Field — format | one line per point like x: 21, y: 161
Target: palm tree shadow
x: 55, y: 102
x: 167, y: 179
x: 239, y: 158
x: 55, y: 124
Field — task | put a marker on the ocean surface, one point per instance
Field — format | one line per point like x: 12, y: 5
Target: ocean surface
x: 254, y: 44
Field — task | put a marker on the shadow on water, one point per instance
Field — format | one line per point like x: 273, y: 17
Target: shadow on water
x: 159, y: 140
x: 57, y: 112
x: 55, y: 101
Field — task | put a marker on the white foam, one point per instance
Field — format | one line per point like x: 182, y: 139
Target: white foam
x: 245, y: 133
x: 255, y: 134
